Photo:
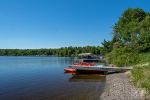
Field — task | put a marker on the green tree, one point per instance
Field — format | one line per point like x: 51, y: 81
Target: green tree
x: 126, y: 29
x: 144, y: 37
x: 107, y: 46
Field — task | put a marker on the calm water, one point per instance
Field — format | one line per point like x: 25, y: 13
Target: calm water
x: 43, y: 78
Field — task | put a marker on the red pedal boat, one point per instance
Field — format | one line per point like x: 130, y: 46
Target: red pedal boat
x: 72, y: 68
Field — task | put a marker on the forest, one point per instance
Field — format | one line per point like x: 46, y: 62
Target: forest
x: 64, y: 51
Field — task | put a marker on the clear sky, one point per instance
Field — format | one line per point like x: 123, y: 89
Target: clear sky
x: 59, y: 23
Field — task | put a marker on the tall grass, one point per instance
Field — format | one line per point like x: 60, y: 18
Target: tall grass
x: 141, y: 72
x: 141, y: 77
x: 144, y: 57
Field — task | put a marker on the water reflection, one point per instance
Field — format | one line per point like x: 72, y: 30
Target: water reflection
x: 87, y: 78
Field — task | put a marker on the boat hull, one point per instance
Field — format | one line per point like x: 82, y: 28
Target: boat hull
x: 70, y: 70
x: 90, y: 72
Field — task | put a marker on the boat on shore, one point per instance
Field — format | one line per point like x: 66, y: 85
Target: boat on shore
x: 85, y: 60
x: 72, y: 68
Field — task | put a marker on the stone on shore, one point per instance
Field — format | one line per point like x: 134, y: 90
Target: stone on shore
x: 119, y: 87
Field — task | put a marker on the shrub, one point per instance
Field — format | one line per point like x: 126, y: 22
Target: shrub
x: 122, y: 56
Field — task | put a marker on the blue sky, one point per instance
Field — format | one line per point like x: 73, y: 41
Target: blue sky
x: 60, y: 23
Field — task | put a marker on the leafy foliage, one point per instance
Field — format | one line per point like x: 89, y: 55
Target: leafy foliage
x: 126, y: 29
x: 131, y: 35
x: 124, y: 56
x: 107, y: 46
x: 144, y: 37
x: 66, y: 51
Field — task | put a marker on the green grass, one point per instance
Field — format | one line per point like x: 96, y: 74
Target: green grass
x: 144, y: 57
x: 141, y: 72
x: 140, y: 63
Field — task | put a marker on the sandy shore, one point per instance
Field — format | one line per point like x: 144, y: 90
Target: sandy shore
x: 119, y: 87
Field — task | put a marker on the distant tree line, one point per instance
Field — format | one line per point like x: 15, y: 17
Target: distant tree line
x: 65, y: 51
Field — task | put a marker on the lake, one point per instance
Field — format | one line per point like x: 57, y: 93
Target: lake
x: 43, y: 78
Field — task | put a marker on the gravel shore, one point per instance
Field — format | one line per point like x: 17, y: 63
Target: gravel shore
x: 119, y: 87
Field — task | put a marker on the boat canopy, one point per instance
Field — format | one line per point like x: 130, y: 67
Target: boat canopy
x: 85, y: 54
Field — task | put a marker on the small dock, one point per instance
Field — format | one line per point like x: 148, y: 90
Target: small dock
x: 103, y: 69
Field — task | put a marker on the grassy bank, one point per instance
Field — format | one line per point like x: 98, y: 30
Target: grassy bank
x: 130, y: 45
x: 140, y: 63
x: 141, y: 73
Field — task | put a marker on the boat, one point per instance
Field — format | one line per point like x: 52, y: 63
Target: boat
x: 89, y: 57
x: 85, y: 60
x: 83, y: 64
x: 72, y: 68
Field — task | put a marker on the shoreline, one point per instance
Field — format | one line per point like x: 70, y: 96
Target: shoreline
x: 119, y: 87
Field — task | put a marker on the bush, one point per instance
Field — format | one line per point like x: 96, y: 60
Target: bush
x: 124, y: 56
